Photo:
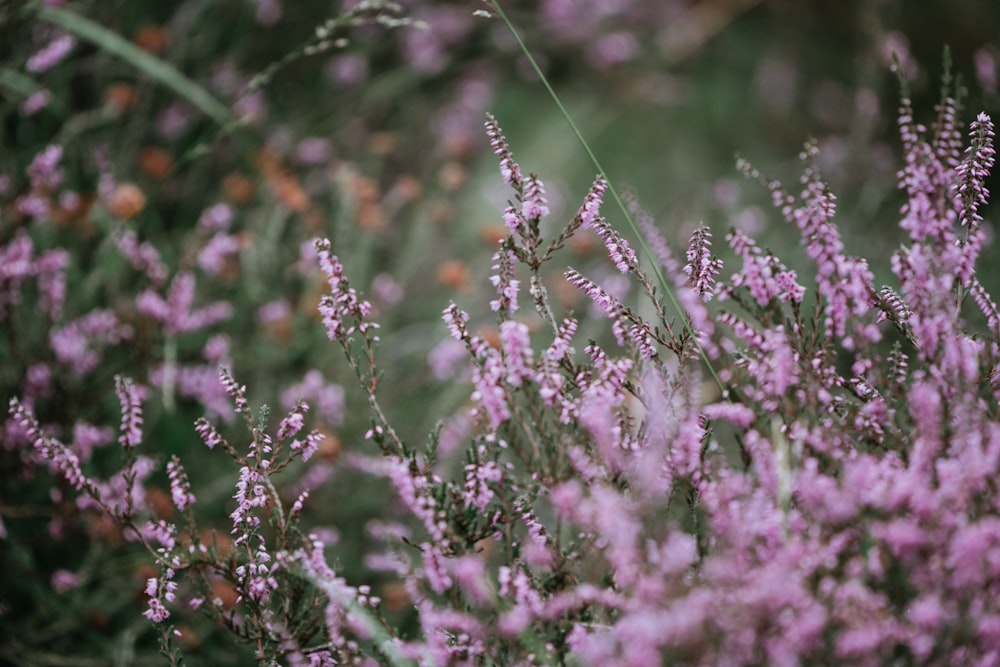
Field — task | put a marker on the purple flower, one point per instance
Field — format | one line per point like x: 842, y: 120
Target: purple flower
x: 489, y: 377
x: 180, y: 487
x: 212, y: 258
x: 702, y: 267
x: 534, y: 206
x: 35, y: 102
x: 59, y: 457
x: 176, y: 313
x: 343, y: 312
x: 236, y: 391
x: 591, y: 207
x: 44, y: 172
x: 77, y: 344
x: 131, y: 409
x: 143, y: 257
x: 456, y: 318
x: 207, y: 432
x: 764, y: 275
x: 64, y: 580
x: 507, y: 286
x: 509, y: 169
x: 327, y: 397
x: 618, y: 248
x: 51, y: 54
x: 216, y: 218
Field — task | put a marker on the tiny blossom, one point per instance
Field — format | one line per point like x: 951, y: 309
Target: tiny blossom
x: 735, y: 413
x: 590, y: 210
x: 478, y: 477
x: 180, y: 487
x: 36, y: 102
x: 514, y: 221
x: 488, y: 377
x: 456, y: 318
x: 972, y: 191
x: 447, y: 359
x: 560, y: 346
x: 87, y: 438
x: 63, y: 581
x: 343, y: 312
x: 44, y: 171
x: 516, y: 346
x: 15, y: 266
x: 176, y: 312
x: 328, y: 397
x: 251, y: 493
x: 77, y: 344
x: 413, y: 489
x: 607, y: 303
x: 131, y: 409
x: 618, y: 248
x: 236, y: 392
x: 509, y: 169
x: 208, y: 434
x: 220, y: 248
x: 143, y: 257
x: 51, y: 54
x: 534, y: 205
x: 51, y: 271
x: 387, y: 291
x: 764, y: 275
x: 313, y: 151
x: 157, y: 589
x: 308, y: 447
x: 293, y: 422
x: 507, y: 286
x: 59, y: 457
x: 702, y: 267
x: 216, y: 218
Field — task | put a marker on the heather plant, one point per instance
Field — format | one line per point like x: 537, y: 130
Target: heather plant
x: 657, y: 458
x: 830, y: 501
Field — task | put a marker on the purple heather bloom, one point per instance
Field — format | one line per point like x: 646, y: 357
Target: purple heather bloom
x: 176, y: 312
x: 507, y: 286
x: 702, y: 267
x: 456, y: 318
x: 131, y: 409
x: 314, y: 389
x: 618, y: 248
x: 35, y: 102
x: 44, y: 172
x: 212, y: 258
x: 534, y: 206
x: 76, y: 343
x: 207, y: 432
x: 51, y: 54
x: 216, y: 218
x: 180, y: 487
x: 63, y: 581
x: 509, y: 169
x: 143, y: 257
x: 343, y: 312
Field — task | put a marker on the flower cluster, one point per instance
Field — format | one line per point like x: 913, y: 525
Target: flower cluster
x: 706, y: 470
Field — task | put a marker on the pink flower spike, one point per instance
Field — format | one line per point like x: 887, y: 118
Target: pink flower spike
x: 131, y: 408
x: 509, y: 169
x: 180, y: 487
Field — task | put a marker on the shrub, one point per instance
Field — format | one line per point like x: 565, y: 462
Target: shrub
x: 740, y: 466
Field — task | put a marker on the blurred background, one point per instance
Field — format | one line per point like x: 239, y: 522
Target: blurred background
x: 373, y: 136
